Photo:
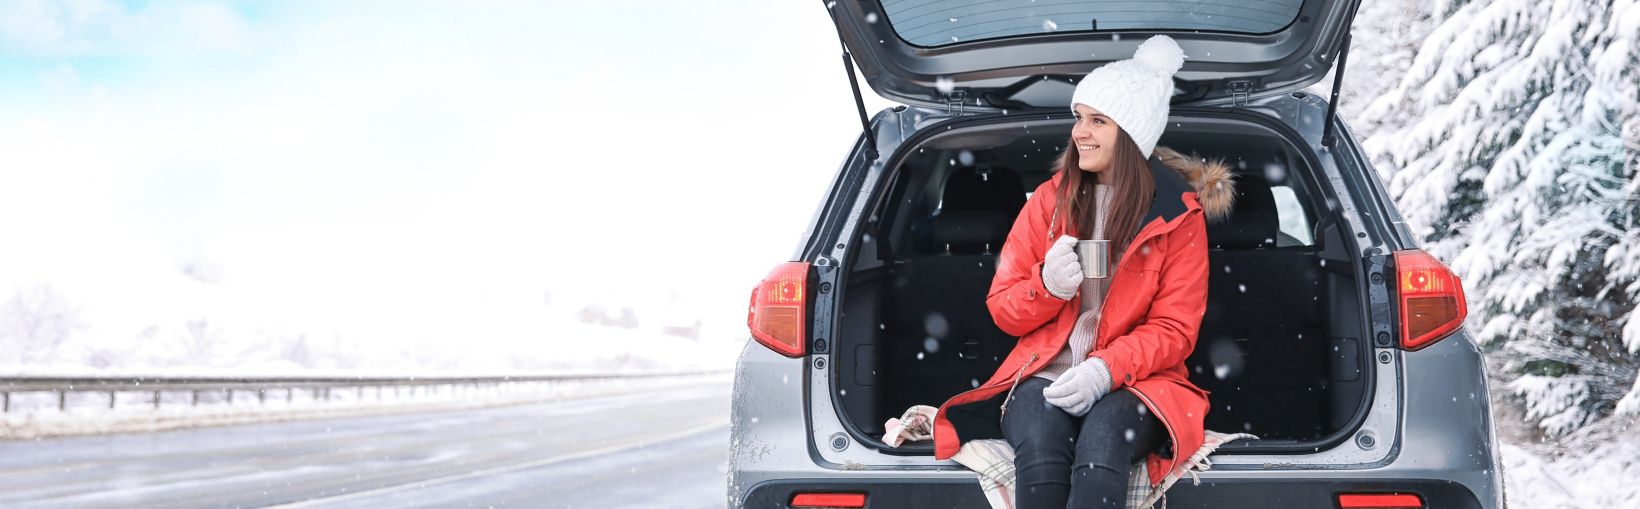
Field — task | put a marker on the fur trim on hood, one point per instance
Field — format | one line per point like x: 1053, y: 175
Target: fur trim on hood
x: 1215, y: 187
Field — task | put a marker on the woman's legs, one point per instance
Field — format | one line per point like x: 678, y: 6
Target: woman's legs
x: 1042, y: 437
x: 1115, y: 433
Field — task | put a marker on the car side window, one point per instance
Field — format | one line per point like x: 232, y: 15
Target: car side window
x: 1295, y: 222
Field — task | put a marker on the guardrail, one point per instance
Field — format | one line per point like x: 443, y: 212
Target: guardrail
x: 317, y: 388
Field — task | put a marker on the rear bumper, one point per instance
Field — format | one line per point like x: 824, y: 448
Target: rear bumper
x: 879, y: 493
x: 1445, y: 454
x: 1291, y: 495
x: 1221, y: 494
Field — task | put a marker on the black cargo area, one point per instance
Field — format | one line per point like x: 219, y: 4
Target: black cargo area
x: 1281, y: 349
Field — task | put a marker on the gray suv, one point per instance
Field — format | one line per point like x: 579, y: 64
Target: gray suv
x: 1374, y: 397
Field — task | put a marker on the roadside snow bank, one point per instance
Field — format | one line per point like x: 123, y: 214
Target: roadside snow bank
x: 36, y: 414
x: 1598, y: 469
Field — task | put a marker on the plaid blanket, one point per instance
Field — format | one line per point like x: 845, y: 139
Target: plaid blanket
x: 993, y: 460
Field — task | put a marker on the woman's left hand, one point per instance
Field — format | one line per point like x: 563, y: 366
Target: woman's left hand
x: 1078, y: 387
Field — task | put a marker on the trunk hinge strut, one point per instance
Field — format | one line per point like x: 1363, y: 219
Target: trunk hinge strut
x: 1327, y: 135
x: 860, y: 105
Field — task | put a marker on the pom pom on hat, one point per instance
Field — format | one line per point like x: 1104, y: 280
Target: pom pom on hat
x: 1160, y: 53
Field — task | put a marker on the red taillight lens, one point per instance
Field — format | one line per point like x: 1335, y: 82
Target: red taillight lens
x: 778, y: 309
x: 1432, y: 301
x: 1379, y: 500
x: 829, y: 500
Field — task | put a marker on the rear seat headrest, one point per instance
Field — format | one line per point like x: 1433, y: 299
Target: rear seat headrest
x: 1253, y: 221
x: 977, y: 208
x: 983, y: 188
x: 971, y: 231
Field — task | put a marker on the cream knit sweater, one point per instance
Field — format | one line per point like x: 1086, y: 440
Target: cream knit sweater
x: 1093, y: 294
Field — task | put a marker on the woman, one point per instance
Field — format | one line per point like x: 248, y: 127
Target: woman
x: 1098, y: 379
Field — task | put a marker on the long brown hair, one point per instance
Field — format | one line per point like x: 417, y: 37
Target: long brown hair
x: 1132, y: 190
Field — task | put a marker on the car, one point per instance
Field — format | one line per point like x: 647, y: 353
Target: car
x: 1375, y: 397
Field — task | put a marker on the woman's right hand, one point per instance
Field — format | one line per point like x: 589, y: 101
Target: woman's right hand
x: 1061, y: 272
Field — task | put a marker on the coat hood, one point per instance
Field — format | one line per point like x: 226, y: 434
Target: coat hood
x: 1212, y: 179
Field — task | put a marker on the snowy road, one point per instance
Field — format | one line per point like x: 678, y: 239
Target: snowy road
x: 655, y: 448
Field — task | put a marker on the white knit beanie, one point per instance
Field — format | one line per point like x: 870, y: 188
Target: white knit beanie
x: 1135, y: 92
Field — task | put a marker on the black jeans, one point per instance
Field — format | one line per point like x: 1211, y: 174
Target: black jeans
x: 1105, y: 443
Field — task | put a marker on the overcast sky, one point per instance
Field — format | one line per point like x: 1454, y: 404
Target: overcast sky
x: 398, y: 171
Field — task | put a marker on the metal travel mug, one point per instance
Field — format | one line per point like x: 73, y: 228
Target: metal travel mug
x: 1095, y: 257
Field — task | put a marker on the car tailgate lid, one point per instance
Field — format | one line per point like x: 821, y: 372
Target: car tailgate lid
x: 1029, y: 53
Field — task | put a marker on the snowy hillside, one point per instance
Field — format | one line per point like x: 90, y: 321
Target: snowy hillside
x: 174, y: 324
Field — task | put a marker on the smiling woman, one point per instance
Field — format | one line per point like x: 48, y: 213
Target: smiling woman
x: 940, y: 23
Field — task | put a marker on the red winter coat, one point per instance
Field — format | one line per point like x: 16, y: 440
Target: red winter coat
x: 1152, y: 312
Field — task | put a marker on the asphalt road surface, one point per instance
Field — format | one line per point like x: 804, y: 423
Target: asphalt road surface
x: 651, y: 448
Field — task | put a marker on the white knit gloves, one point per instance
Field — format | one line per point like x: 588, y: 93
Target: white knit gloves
x: 1061, y: 273
x: 1078, y: 387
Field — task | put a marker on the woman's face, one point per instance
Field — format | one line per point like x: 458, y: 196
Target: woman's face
x: 1095, y: 137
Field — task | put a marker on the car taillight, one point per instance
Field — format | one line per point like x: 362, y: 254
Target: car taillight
x: 829, y: 500
x: 1432, y: 301
x: 778, y: 309
x: 1379, y: 501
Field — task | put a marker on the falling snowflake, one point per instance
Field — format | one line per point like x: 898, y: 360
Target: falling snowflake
x: 936, y: 325
x: 1275, y: 172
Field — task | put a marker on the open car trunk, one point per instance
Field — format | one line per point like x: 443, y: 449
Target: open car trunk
x: 1282, y: 348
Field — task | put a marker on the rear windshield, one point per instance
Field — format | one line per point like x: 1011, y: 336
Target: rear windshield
x: 943, y: 22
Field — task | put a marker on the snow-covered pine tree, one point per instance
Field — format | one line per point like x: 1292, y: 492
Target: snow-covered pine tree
x: 1508, y: 133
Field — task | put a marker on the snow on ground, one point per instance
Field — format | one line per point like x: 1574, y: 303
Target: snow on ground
x: 35, y: 415
x: 146, y: 318
x: 558, y: 347
x: 614, y: 347
x: 1597, y: 470
x: 1594, y: 467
